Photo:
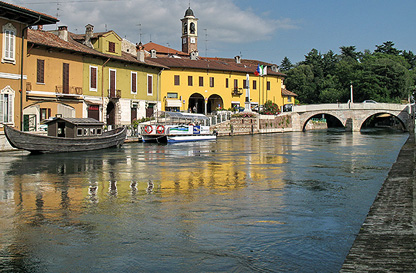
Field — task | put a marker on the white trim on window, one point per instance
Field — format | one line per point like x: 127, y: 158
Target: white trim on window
x: 149, y: 88
x: 131, y: 82
x: 96, y: 78
x: 9, y: 44
x: 6, y: 105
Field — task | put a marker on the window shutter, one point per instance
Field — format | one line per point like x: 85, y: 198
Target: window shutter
x: 211, y: 81
x: 93, y: 78
x: 65, y: 79
x: 1, y: 108
x: 177, y: 79
x: 10, y: 108
x: 40, y: 71
x: 133, y: 83
x: 149, y: 85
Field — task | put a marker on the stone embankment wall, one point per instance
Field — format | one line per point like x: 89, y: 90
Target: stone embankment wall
x: 254, y: 125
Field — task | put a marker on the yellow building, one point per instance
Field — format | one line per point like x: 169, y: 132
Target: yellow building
x: 87, y: 76
x: 14, y: 23
x: 119, y: 86
x: 203, y: 85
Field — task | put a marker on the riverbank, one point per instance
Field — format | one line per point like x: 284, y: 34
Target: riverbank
x: 386, y: 241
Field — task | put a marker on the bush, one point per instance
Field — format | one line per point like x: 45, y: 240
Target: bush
x: 270, y: 108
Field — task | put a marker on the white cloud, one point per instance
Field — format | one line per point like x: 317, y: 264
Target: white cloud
x: 224, y: 21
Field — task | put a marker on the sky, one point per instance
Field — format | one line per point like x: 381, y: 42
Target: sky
x: 264, y: 30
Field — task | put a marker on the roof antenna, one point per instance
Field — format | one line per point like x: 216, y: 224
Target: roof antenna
x: 140, y: 31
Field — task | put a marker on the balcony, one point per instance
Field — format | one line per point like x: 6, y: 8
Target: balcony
x: 69, y: 92
x: 237, y: 92
x: 114, y: 94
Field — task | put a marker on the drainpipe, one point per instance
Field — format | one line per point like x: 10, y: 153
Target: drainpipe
x: 102, y: 88
x: 21, y: 70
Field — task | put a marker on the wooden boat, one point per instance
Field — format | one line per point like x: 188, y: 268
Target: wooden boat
x: 72, y: 135
x: 171, y: 127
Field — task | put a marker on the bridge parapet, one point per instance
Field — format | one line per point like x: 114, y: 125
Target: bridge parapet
x: 349, y: 106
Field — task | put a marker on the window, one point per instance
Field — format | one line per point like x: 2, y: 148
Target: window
x: 65, y: 78
x: 254, y: 84
x: 211, y: 82
x: 45, y: 113
x: 111, y: 47
x: 79, y: 132
x: 149, y: 84
x: 93, y: 78
x: 112, y: 83
x: 201, y: 81
x: 134, y: 82
x: 289, y: 99
x: 226, y: 83
x: 177, y: 79
x: 40, y: 74
x: 244, y: 83
x: 9, y: 44
x: 6, y: 105
x: 268, y: 85
x: 189, y: 80
x: 172, y: 95
x: 235, y: 83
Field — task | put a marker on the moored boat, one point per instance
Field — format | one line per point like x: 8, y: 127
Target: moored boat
x: 67, y: 135
x: 171, y: 127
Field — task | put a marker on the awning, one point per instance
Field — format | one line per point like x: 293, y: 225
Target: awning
x: 173, y: 103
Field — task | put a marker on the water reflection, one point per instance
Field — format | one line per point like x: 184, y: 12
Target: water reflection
x: 285, y: 202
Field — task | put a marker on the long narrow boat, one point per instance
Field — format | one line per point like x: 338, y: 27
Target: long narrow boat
x: 87, y: 141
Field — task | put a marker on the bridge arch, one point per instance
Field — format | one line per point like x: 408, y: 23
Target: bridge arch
x: 399, y: 118
x: 334, y: 117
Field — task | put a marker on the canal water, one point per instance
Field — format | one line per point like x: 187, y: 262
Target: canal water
x: 264, y: 203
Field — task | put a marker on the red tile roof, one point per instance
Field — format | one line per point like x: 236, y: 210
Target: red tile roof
x: 25, y: 15
x: 163, y: 49
x: 219, y: 64
x: 48, y: 39
x: 286, y: 92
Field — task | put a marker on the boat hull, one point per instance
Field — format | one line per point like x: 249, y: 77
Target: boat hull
x: 48, y: 144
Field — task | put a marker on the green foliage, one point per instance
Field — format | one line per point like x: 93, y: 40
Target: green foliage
x: 270, y: 108
x: 385, y: 75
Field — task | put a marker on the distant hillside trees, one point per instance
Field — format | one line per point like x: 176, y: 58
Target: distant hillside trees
x: 385, y: 75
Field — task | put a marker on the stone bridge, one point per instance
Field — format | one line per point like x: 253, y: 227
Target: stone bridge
x: 353, y: 115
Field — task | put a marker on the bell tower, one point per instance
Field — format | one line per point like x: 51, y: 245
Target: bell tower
x: 189, y: 32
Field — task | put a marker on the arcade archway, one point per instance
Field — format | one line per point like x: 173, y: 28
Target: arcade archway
x: 214, y: 102
x: 197, y: 103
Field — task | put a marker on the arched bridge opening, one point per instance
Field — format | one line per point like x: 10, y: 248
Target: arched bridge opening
x: 322, y: 121
x: 384, y: 120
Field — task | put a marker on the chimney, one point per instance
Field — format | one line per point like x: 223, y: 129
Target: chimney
x: 89, y: 32
x: 153, y: 53
x: 194, y: 55
x: 237, y: 59
x: 63, y: 33
x: 140, y: 52
x: 40, y: 27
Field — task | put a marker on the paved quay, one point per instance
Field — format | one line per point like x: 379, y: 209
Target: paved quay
x: 386, y: 241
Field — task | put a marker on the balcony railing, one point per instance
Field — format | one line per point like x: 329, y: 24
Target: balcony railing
x: 237, y: 91
x: 71, y: 91
x: 114, y: 94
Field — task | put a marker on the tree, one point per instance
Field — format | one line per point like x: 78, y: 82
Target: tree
x: 286, y: 65
x: 301, y: 81
x: 387, y: 48
x: 348, y: 52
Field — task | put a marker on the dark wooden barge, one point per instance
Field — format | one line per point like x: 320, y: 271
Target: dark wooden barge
x: 67, y: 135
